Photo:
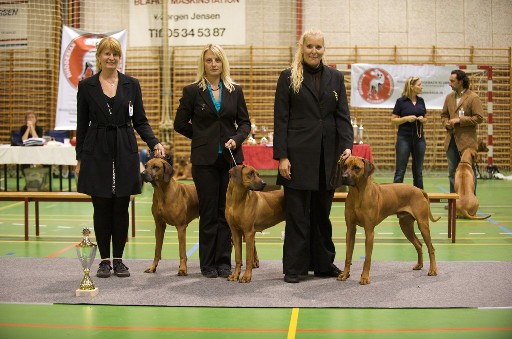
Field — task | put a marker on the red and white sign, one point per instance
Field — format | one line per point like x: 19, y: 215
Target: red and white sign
x: 378, y: 86
x: 77, y: 62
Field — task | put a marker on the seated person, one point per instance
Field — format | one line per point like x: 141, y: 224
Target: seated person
x: 35, y: 178
x: 31, y: 130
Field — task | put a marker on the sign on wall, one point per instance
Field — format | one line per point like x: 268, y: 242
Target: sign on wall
x: 77, y: 62
x: 378, y: 86
x: 13, y: 24
x: 190, y: 22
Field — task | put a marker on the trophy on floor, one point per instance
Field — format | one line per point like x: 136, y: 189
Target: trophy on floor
x: 86, y: 251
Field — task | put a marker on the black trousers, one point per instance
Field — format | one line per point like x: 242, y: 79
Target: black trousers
x: 308, y: 244
x: 111, y: 220
x: 214, y: 234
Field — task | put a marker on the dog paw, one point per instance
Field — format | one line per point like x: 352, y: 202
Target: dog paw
x: 256, y: 264
x: 150, y: 270
x: 417, y: 267
x: 233, y: 277
x: 245, y: 279
x: 364, y: 281
x: 182, y: 273
x: 432, y: 273
x: 343, y: 276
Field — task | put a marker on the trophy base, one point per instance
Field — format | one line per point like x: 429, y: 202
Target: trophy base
x: 87, y: 293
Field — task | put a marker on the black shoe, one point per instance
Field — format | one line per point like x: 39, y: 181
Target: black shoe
x: 210, y: 273
x: 104, y: 270
x: 291, y: 278
x: 334, y: 272
x: 223, y: 272
x: 120, y: 269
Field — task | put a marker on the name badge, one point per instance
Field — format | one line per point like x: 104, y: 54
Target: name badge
x: 130, y: 108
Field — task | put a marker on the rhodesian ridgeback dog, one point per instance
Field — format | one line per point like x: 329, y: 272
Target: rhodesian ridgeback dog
x: 183, y: 169
x: 248, y: 212
x: 174, y: 204
x: 467, y: 205
x: 369, y: 203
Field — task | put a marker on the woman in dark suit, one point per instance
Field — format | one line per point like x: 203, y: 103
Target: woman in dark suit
x: 109, y: 107
x: 311, y: 130
x: 213, y: 113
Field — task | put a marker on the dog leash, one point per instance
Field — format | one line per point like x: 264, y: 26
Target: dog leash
x: 232, y: 157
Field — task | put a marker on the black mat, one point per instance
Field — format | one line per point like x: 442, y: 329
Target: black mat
x: 394, y: 285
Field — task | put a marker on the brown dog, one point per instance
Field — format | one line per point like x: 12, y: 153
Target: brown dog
x: 183, y: 169
x: 248, y: 212
x: 369, y: 203
x: 467, y: 205
x: 174, y: 204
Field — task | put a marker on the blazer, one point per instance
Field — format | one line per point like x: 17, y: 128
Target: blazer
x: 102, y: 138
x: 465, y: 133
x: 304, y: 123
x: 197, y: 119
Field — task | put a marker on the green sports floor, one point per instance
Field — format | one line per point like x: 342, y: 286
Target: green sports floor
x: 61, y: 223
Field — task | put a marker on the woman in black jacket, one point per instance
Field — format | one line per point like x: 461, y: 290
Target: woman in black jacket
x: 312, y: 129
x: 109, y: 107
x: 213, y: 113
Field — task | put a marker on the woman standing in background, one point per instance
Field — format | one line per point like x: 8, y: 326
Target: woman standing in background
x: 409, y: 115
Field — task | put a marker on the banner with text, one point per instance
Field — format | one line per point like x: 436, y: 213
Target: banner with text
x: 191, y: 22
x: 13, y: 25
x: 378, y: 86
x: 77, y: 62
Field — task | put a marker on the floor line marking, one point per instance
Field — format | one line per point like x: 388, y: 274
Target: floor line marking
x: 11, y: 205
x: 256, y: 330
x: 506, y: 230
x: 54, y: 254
x: 192, y: 249
x: 292, y: 329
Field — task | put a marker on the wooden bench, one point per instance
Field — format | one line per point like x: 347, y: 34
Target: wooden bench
x: 449, y: 198
x: 37, y: 197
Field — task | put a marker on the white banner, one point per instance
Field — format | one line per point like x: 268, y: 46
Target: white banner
x: 191, y: 22
x: 77, y: 62
x: 13, y: 24
x: 378, y: 86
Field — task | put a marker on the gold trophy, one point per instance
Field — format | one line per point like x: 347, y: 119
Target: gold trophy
x: 86, y: 251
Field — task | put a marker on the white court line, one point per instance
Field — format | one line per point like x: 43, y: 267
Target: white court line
x: 476, y: 233
x: 64, y: 227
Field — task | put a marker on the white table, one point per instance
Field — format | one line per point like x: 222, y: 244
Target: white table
x: 62, y: 155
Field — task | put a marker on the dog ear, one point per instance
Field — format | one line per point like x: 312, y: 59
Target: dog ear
x: 168, y: 171
x: 236, y: 173
x: 369, y: 168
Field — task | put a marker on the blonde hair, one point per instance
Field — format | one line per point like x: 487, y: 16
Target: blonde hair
x: 109, y: 43
x: 297, y: 68
x: 225, y: 75
x: 411, y: 81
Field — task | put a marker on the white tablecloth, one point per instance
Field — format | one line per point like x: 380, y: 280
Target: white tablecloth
x: 43, y: 155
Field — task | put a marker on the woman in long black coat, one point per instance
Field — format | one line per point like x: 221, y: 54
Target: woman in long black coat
x: 312, y: 129
x: 109, y: 107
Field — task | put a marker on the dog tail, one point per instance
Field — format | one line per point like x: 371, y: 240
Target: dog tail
x: 466, y: 215
x: 430, y: 216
